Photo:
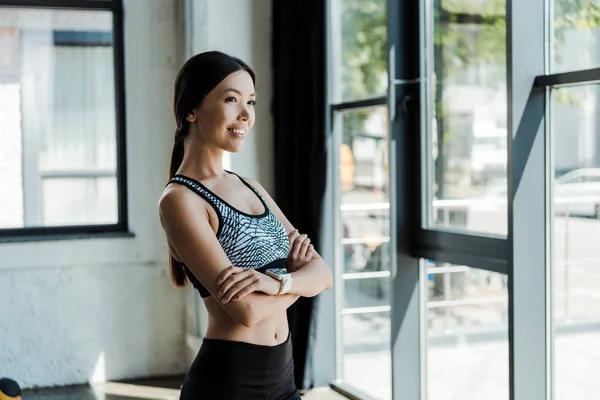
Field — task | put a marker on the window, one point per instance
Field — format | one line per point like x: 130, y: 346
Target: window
x: 358, y: 65
x: 494, y: 199
x: 365, y: 243
x: 576, y: 225
x: 467, y: 113
x: 467, y: 333
x: 62, y: 168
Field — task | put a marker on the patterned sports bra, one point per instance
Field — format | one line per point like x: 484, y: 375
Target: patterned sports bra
x: 259, y: 242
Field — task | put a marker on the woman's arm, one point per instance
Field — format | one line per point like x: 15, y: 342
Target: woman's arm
x: 310, y: 280
x: 315, y: 276
x: 185, y: 221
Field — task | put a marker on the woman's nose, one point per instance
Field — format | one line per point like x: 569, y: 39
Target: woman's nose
x: 244, y: 113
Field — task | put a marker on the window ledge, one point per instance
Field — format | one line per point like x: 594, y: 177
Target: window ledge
x: 66, y: 236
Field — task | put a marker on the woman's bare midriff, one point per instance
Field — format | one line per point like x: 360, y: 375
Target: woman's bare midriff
x: 270, y: 332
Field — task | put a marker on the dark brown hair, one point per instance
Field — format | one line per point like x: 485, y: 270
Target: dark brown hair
x: 197, y: 77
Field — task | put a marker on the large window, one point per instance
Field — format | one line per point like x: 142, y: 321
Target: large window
x: 62, y: 167
x: 361, y: 141
x: 467, y: 333
x: 366, y: 254
x: 464, y: 214
x: 575, y: 133
x: 574, y: 203
x: 467, y: 115
x: 493, y: 199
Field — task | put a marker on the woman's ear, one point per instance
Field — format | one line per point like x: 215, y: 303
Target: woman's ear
x: 191, y: 117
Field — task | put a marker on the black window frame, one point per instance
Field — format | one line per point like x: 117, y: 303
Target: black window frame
x: 121, y: 228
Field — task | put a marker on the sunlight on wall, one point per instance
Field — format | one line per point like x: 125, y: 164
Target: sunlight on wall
x: 99, y: 374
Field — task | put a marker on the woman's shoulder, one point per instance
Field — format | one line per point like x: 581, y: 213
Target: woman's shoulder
x: 256, y: 185
x: 177, y: 198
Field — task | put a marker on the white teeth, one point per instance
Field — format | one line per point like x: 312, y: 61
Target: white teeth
x: 238, y: 131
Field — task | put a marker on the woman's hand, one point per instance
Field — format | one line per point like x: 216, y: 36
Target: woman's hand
x: 301, y: 251
x: 236, y: 283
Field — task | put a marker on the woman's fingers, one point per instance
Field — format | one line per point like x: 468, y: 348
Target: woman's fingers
x: 310, y: 252
x: 298, y: 245
x: 241, y: 289
x: 227, y: 272
x: 301, y: 251
x: 292, y: 236
x: 304, y: 249
x: 232, y: 280
x: 245, y: 291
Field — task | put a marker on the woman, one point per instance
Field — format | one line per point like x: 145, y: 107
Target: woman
x: 228, y: 237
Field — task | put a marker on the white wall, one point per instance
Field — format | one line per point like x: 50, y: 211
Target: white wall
x: 75, y: 311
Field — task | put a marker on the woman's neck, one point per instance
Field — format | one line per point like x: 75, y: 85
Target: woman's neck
x: 202, y: 161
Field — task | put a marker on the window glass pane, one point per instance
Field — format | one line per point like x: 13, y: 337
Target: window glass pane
x: 367, y: 362
x: 57, y: 118
x: 467, y: 333
x: 79, y: 201
x: 576, y: 35
x: 367, y: 292
x: 484, y: 8
x: 358, y: 49
x: 575, y: 133
x: 371, y: 257
x: 365, y: 223
x: 364, y: 159
x: 81, y: 132
x: 364, y: 240
x: 11, y: 150
x: 467, y: 140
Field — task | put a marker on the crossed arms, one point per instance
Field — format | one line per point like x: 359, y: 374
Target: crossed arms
x: 190, y: 233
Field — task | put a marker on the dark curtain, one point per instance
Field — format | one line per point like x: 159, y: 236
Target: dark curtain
x: 299, y: 106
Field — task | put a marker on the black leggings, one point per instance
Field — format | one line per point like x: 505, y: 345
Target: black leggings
x: 229, y: 370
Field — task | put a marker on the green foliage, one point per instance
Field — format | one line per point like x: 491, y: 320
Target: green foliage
x: 364, y: 52
x: 482, y: 7
x: 364, y: 38
x: 364, y: 47
x: 462, y: 45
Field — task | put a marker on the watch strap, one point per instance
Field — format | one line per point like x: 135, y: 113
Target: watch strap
x: 285, y: 284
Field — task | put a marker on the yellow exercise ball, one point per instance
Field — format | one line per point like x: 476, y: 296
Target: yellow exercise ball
x: 9, y: 389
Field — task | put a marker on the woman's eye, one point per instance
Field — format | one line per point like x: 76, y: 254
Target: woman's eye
x: 252, y: 103
x: 230, y: 99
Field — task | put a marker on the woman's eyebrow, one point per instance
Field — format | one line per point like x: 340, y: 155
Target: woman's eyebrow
x: 236, y: 91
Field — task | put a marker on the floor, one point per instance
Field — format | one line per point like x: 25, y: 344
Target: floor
x: 149, y: 389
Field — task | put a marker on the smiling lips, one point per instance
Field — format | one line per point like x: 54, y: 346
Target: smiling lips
x: 239, y: 132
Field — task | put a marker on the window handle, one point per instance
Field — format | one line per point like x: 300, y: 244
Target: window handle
x: 393, y: 82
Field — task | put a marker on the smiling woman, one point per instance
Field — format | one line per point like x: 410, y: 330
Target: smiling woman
x: 227, y: 236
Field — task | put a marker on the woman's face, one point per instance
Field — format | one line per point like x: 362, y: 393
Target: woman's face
x: 226, y: 114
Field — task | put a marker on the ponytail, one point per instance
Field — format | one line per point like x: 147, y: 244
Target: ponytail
x: 178, y: 275
x: 177, y: 154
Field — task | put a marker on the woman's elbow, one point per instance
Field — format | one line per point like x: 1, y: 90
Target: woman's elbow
x: 326, y: 283
x: 329, y: 279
